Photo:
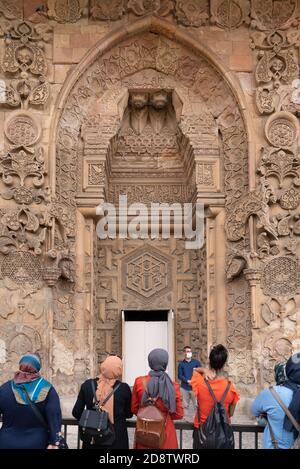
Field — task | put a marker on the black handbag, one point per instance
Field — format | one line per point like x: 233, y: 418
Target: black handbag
x: 95, y: 427
x: 60, y: 442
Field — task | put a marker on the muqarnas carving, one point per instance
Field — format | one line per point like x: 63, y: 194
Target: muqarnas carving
x: 24, y: 60
x: 149, y: 126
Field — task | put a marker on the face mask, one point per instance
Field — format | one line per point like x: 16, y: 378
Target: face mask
x: 189, y: 355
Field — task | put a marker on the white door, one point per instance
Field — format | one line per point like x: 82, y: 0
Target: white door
x: 140, y: 337
x: 171, y: 345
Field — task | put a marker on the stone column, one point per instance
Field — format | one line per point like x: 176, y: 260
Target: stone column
x: 216, y: 286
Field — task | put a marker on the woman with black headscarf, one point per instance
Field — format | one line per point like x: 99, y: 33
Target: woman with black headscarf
x: 158, y: 385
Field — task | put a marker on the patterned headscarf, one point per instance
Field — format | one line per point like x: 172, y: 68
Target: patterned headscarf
x: 29, y: 378
x: 160, y: 384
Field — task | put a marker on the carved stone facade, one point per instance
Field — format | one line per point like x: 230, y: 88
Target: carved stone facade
x: 144, y: 275
x: 163, y: 101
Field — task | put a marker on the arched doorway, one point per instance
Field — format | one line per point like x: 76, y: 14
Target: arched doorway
x: 153, y: 56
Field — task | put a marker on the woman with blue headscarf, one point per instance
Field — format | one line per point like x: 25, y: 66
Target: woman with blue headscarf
x: 22, y: 429
x: 279, y: 431
x: 159, y: 386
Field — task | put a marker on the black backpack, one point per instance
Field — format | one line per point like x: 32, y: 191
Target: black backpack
x: 216, y: 432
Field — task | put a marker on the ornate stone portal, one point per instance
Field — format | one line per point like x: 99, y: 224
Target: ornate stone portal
x: 152, y: 114
x: 147, y: 112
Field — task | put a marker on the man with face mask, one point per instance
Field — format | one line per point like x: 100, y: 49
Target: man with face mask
x: 185, y: 372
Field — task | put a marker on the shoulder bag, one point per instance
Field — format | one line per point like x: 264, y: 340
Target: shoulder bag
x: 95, y: 427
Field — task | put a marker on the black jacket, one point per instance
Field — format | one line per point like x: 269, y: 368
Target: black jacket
x: 122, y: 410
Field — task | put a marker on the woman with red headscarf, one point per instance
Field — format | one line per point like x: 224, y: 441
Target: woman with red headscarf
x: 118, y: 406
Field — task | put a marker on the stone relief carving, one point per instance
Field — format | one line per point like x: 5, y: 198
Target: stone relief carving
x: 148, y: 125
x: 274, y: 253
x: 274, y: 349
x: 278, y: 62
x: 111, y: 71
x: 151, y: 193
x: 239, y: 340
x: 23, y: 161
x: 11, y: 9
x: 151, y: 283
x: 33, y: 231
x: 229, y: 14
x: 281, y: 277
x: 255, y: 202
x: 24, y: 58
x: 271, y: 14
x: 147, y: 273
x: 66, y: 11
x: 275, y: 271
x: 277, y: 67
x: 205, y: 174
x: 192, y: 12
x: 274, y: 216
x: 107, y: 9
x: 18, y: 340
x: 282, y: 129
x: 144, y: 7
x: 95, y: 174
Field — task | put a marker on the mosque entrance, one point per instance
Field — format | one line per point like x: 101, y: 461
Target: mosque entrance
x: 142, y: 332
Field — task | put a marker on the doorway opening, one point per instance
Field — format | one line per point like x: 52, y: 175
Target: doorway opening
x: 143, y: 331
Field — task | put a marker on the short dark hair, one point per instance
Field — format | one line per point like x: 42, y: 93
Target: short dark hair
x: 218, y: 357
x: 187, y: 346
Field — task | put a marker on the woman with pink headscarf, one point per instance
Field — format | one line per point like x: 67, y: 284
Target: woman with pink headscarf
x: 118, y: 406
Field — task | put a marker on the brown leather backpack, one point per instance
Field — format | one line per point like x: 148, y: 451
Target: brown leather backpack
x: 150, y: 425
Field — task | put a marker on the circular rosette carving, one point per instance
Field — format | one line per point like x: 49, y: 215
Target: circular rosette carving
x: 290, y: 199
x: 282, y: 129
x: 281, y: 277
x: 22, y: 129
x: 229, y: 14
